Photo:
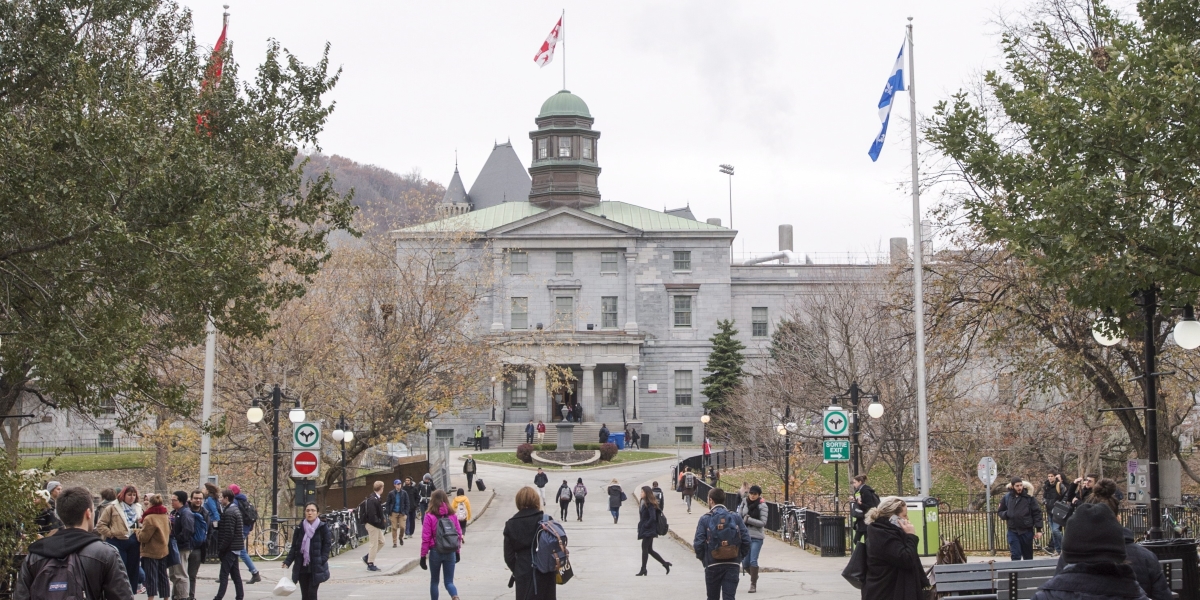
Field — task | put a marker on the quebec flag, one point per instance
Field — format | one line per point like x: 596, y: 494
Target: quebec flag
x: 895, y: 83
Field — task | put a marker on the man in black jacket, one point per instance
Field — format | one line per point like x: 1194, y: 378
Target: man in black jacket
x: 230, y: 542
x: 865, y: 499
x: 604, y: 433
x: 540, y: 480
x: 469, y: 470
x: 1053, y: 491
x: 103, y: 572
x: 397, y: 508
x: 183, y: 526
x: 376, y: 522
x: 1024, y: 517
x: 413, y: 495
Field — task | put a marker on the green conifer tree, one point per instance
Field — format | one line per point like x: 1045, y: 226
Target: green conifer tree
x: 724, y: 367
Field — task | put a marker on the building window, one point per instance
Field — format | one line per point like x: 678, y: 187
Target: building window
x: 683, y: 260
x: 586, y: 144
x: 683, y: 388
x: 444, y: 261
x: 518, y: 263
x: 106, y: 439
x: 518, y: 390
x: 608, y: 312
x: 608, y: 388
x: 683, y: 311
x: 564, y: 147
x: 564, y: 263
x: 683, y: 435
x: 519, y: 318
x: 758, y: 321
x: 444, y: 434
x: 608, y: 262
x: 542, y: 144
x: 564, y: 312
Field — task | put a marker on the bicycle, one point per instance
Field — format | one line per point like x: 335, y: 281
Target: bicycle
x: 792, y: 523
x: 343, y: 526
x: 1173, y: 529
x: 273, y: 542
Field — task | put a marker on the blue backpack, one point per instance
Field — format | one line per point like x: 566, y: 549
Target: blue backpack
x: 723, y: 536
x: 200, y: 534
x: 550, y: 554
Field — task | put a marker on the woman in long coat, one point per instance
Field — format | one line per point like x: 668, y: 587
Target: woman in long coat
x: 519, y: 533
x: 615, y: 497
x: 894, y: 570
x: 309, y: 554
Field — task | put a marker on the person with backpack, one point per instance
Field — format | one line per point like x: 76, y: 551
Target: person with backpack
x: 753, y: 512
x: 469, y: 469
x: 424, y: 493
x: 199, y: 540
x: 72, y: 555
x: 155, y: 539
x: 721, y: 542
x: 649, y: 517
x: 1024, y: 517
x: 48, y: 521
x: 520, y: 537
x: 371, y: 510
x: 688, y: 483
x: 580, y: 493
x: 212, y: 504
x: 658, y: 494
x: 564, y: 496
x: 230, y: 542
x: 441, y: 544
x: 396, y: 509
x: 615, y: 497
x: 183, y: 534
x: 461, y: 505
x: 249, y: 517
x: 414, y: 499
x: 540, y: 480
x: 309, y: 554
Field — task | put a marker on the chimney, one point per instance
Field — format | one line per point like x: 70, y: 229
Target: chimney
x: 715, y: 221
x: 785, y: 240
x: 898, y: 252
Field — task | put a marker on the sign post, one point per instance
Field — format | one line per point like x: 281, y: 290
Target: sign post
x: 306, y: 444
x: 987, y: 474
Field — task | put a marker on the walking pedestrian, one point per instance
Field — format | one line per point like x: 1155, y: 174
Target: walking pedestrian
x: 615, y: 498
x: 721, y: 542
x: 714, y: 477
x: 212, y: 504
x: 520, y: 533
x: 753, y: 512
x: 1024, y: 518
x: 461, y: 505
x: 658, y: 494
x: 1095, y: 552
x: 372, y: 511
x: 564, y: 496
x: 687, y: 486
x: 196, y: 556
x: 1053, y: 491
x: 440, y: 549
x: 397, y: 508
x: 308, y: 555
x: 604, y: 433
x: 249, y: 518
x: 414, y: 500
x: 1146, y: 568
x: 894, y: 570
x: 478, y: 438
x: 424, y: 492
x: 580, y: 492
x: 541, y: 432
x: 101, y: 570
x: 540, y: 480
x: 647, y: 529
x: 530, y: 429
x: 864, y: 500
x: 578, y: 412
x: 469, y: 469
x: 183, y: 529
x: 230, y: 542
x: 155, y: 539
x: 116, y: 526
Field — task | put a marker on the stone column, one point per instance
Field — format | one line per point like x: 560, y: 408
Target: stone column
x: 541, y: 406
x: 588, y: 392
x: 631, y: 397
x: 631, y: 326
x: 497, y: 259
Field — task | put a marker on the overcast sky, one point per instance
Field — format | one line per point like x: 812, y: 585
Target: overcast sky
x: 784, y: 91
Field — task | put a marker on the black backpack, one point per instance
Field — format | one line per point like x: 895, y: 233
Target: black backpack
x: 249, y: 513
x: 60, y: 579
x: 661, y: 528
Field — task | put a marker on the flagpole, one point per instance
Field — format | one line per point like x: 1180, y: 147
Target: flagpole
x: 918, y: 272
x: 562, y: 35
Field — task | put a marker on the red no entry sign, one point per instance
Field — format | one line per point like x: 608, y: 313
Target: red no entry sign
x: 305, y: 463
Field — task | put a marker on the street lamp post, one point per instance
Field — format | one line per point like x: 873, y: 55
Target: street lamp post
x: 343, y: 435
x: 428, y: 446
x: 255, y: 415
x: 875, y: 410
x: 728, y: 170
x: 493, y: 399
x: 785, y: 430
x: 704, y: 419
x: 635, y: 392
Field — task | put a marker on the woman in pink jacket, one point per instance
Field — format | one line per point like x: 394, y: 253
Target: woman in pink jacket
x: 441, y: 541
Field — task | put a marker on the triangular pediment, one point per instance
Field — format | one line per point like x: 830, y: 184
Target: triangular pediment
x: 565, y: 222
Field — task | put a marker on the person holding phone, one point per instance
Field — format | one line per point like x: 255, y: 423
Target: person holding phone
x: 894, y: 570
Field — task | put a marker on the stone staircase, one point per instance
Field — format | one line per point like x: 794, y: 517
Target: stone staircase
x: 585, y: 433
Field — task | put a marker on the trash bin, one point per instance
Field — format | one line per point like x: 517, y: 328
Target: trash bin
x: 833, y: 535
x: 486, y: 444
x: 1190, y: 572
x: 644, y: 443
x: 923, y: 514
x: 618, y: 439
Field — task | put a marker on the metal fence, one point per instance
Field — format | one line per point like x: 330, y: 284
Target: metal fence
x: 49, y: 448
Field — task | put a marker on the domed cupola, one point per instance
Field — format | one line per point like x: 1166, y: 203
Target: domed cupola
x: 564, y: 167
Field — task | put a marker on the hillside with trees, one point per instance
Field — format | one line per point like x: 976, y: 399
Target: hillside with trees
x: 385, y: 200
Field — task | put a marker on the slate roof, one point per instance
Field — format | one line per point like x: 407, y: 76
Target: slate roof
x: 645, y: 219
x: 455, y: 192
x: 685, y: 212
x: 502, y: 179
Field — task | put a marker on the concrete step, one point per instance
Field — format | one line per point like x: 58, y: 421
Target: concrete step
x: 514, y: 434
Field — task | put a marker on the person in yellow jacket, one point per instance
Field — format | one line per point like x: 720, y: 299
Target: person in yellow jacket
x: 461, y: 507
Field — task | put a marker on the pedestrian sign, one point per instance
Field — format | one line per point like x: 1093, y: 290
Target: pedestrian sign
x: 306, y: 436
x: 837, y: 450
x: 837, y: 422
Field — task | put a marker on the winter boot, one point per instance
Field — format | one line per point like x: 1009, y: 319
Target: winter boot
x: 753, y: 579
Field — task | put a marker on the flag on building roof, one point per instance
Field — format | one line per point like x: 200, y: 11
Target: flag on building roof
x: 895, y: 83
x: 545, y: 54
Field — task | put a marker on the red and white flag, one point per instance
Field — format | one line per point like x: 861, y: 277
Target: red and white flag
x: 545, y: 54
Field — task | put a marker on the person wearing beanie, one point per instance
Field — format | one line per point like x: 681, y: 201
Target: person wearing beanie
x: 48, y: 520
x: 1146, y: 568
x: 754, y: 514
x: 1024, y: 518
x: 1094, y: 550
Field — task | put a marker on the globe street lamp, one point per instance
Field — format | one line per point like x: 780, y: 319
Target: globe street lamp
x: 704, y: 419
x: 428, y: 446
x: 875, y: 410
x: 343, y: 435
x: 255, y: 415
x: 785, y: 430
x: 493, y: 399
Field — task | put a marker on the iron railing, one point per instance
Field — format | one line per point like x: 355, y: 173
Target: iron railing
x: 49, y: 448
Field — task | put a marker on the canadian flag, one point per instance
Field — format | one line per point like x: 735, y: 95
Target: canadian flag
x: 545, y: 54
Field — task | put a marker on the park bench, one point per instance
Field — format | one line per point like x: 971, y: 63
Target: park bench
x: 1005, y: 580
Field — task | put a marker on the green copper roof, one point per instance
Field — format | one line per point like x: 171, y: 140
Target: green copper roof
x: 564, y: 104
x: 618, y: 212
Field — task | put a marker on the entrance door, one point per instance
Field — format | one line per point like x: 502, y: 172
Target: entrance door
x: 568, y: 397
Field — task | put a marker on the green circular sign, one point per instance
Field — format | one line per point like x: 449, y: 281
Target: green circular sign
x: 306, y: 435
x: 836, y: 422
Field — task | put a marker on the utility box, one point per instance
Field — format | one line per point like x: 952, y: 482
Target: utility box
x: 1170, y: 481
x: 923, y: 514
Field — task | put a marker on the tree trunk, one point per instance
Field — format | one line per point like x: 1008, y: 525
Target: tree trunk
x: 162, y: 452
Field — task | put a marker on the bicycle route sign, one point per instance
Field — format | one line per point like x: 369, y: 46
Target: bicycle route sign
x: 837, y: 422
x: 837, y: 450
x: 305, y: 464
x: 306, y: 436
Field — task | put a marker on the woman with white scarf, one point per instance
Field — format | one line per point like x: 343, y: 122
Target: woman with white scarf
x: 309, y: 555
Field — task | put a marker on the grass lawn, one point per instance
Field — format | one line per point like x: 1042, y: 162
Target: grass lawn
x: 92, y: 462
x: 820, y: 480
x: 625, y: 456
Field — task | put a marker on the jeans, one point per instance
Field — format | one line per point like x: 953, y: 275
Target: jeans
x: 648, y: 551
x: 564, y: 506
x: 411, y: 526
x: 687, y: 499
x: 1020, y: 545
x: 470, y: 481
x: 195, y: 557
x: 751, y: 559
x: 308, y: 587
x: 245, y: 554
x: 441, y: 564
x: 721, y: 580
x: 229, y: 568
x: 615, y: 512
x: 1056, y: 535
x: 579, y: 509
x: 130, y: 552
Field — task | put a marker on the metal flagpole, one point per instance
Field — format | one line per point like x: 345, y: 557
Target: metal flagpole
x: 210, y: 359
x: 562, y: 39
x: 918, y: 272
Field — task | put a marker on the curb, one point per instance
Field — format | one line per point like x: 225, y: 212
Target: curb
x: 586, y: 468
x: 479, y: 514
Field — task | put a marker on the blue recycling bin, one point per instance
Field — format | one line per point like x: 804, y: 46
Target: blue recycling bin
x: 618, y: 439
